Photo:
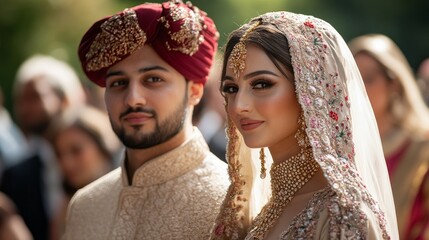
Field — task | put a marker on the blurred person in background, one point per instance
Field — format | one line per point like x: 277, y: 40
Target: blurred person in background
x: 86, y: 149
x: 43, y: 89
x: 403, y: 123
x: 423, y: 79
x: 12, y: 140
x: 209, y: 115
x: 153, y: 59
x: 95, y: 96
x: 12, y: 227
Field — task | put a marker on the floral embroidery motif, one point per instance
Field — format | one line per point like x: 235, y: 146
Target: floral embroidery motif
x: 333, y: 115
x: 348, y: 226
x: 323, y: 96
x: 120, y: 35
x: 309, y: 24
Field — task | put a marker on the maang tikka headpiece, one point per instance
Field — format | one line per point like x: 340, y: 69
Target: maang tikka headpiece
x: 238, y: 53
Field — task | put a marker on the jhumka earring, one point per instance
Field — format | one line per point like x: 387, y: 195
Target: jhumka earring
x: 262, y: 158
x: 300, y: 135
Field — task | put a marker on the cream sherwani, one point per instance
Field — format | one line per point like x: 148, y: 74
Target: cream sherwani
x: 174, y: 196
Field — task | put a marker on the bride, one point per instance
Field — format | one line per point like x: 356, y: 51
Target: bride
x: 297, y: 106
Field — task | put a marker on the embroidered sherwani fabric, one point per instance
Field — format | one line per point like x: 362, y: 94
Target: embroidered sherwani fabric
x: 174, y: 196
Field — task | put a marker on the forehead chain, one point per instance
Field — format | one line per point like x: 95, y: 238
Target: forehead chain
x: 238, y: 53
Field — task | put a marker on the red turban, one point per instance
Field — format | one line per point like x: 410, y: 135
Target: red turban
x: 184, y: 36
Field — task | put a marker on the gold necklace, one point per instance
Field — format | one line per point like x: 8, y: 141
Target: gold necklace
x: 286, y: 179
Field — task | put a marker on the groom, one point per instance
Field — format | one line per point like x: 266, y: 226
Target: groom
x: 154, y: 60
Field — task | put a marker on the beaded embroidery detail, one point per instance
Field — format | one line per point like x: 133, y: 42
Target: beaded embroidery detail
x: 323, y: 97
x: 349, y: 225
x: 287, y: 178
x: 229, y: 224
x: 120, y: 35
x: 238, y: 53
x: 188, y: 39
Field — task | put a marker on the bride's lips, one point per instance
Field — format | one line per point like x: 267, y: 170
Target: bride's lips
x: 137, y: 118
x: 248, y: 124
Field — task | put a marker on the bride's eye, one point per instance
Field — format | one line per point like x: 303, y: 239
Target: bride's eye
x: 229, y: 88
x: 261, y: 84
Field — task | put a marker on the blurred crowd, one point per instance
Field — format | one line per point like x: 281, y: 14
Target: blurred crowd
x: 403, y: 121
x: 58, y: 138
x: 59, y: 144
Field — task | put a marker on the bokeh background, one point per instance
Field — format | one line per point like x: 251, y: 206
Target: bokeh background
x: 54, y: 27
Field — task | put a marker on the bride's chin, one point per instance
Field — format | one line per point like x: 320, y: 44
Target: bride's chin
x: 252, y: 144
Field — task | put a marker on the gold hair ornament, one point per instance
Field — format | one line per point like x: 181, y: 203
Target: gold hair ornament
x: 238, y: 53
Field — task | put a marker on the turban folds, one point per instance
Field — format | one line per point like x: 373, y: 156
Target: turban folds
x: 181, y: 34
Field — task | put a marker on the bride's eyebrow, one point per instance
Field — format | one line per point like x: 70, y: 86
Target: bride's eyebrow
x: 226, y: 77
x: 250, y: 75
x: 260, y: 72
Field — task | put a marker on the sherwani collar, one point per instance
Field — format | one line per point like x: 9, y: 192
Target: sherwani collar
x: 170, y: 165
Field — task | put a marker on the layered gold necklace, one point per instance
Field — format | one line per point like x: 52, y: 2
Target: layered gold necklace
x: 286, y: 179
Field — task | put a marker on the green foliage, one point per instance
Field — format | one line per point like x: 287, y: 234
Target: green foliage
x: 55, y: 27
x: 51, y: 27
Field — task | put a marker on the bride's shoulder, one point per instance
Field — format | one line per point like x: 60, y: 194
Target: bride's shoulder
x: 327, y: 216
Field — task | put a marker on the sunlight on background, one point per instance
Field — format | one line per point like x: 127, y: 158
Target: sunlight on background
x: 54, y: 27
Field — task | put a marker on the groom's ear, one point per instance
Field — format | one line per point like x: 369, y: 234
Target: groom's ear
x: 195, y: 91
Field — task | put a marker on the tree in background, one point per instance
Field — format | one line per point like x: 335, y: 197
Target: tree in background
x: 55, y: 27
x: 52, y: 27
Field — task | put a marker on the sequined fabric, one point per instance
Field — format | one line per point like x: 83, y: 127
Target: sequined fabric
x: 180, y: 33
x: 175, y: 196
x: 315, y: 222
x: 184, y: 29
x: 325, y: 217
x: 323, y: 97
x: 349, y: 210
x: 120, y: 35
